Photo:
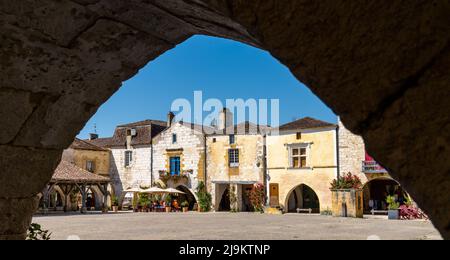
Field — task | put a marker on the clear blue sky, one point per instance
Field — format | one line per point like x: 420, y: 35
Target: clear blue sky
x: 221, y: 69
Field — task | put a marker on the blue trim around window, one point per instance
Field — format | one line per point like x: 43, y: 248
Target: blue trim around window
x: 175, y: 166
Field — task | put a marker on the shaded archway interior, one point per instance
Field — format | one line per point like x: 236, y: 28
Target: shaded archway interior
x: 393, y: 61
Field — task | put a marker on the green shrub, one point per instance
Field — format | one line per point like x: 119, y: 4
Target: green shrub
x: 204, y: 198
x: 35, y: 232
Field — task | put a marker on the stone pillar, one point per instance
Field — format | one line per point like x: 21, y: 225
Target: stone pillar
x: 83, y: 192
x: 24, y: 172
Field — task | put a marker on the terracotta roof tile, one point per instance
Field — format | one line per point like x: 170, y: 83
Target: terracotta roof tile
x: 305, y: 123
x: 85, y: 145
x: 67, y: 172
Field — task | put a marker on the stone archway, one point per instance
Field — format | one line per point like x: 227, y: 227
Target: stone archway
x: 391, y: 58
x: 302, y: 197
x: 189, y: 196
x: 376, y: 192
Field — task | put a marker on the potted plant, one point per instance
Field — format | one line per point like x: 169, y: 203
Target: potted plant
x: 393, y: 208
x: 168, y: 201
x: 144, y: 202
x: 185, y: 206
x: 204, y: 198
x: 115, y: 204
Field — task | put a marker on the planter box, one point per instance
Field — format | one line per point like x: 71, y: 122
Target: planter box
x: 347, y: 203
x: 394, y: 214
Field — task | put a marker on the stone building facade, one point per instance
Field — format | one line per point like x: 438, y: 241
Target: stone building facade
x: 131, y: 154
x: 179, y: 157
x: 377, y: 183
x: 235, y: 161
x: 302, y: 163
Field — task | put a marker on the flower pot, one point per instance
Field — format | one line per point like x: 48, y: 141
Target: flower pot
x: 115, y: 209
x: 394, y: 214
x: 185, y: 209
x: 168, y: 209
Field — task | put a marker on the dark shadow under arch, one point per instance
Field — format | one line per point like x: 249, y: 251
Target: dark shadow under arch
x: 302, y: 197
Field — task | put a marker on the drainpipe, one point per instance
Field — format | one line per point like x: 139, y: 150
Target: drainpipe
x: 151, y: 163
x: 337, y: 152
x: 205, y: 163
x: 266, y: 179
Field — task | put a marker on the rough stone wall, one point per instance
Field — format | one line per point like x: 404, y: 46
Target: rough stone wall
x: 192, y: 143
x: 382, y: 66
x: 251, y: 151
x: 139, y: 172
x: 351, y: 152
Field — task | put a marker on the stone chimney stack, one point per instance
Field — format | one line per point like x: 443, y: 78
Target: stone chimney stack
x: 170, y: 118
x: 93, y: 136
x: 226, y: 119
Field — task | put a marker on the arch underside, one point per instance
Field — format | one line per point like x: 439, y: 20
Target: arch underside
x: 60, y: 60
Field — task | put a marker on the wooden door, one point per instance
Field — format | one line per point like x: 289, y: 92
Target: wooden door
x: 274, y: 194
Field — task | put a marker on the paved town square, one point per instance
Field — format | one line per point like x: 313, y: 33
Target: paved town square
x: 226, y: 226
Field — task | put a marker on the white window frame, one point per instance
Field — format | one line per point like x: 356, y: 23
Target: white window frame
x: 307, y: 147
x: 130, y: 160
x: 233, y: 158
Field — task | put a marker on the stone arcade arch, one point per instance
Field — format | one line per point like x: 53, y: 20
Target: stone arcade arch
x: 376, y: 192
x: 189, y: 196
x: 302, y: 197
x: 392, y: 58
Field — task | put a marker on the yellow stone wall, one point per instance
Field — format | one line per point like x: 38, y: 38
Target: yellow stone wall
x: 101, y: 159
x: 250, y: 158
x: 322, y: 164
x: 251, y: 164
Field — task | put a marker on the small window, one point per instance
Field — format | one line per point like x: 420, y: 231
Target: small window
x: 128, y: 158
x: 175, y: 166
x: 90, y: 166
x: 174, y: 138
x: 298, y: 158
x: 214, y: 140
x: 232, y: 139
x: 299, y: 135
x: 233, y: 157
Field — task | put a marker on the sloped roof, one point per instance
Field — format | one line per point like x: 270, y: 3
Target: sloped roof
x: 306, y: 123
x: 148, y: 122
x: 245, y: 128
x: 67, y: 172
x: 101, y: 142
x: 85, y: 145
x: 145, y: 131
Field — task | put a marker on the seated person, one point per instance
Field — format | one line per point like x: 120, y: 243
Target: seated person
x: 175, y: 205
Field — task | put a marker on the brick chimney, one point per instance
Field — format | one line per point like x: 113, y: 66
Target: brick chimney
x: 170, y: 118
x: 226, y: 119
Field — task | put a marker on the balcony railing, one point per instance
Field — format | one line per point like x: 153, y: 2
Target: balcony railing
x: 372, y: 167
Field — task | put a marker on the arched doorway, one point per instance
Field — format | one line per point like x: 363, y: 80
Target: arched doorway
x: 225, y: 203
x: 188, y: 196
x: 303, y: 197
x: 377, y: 191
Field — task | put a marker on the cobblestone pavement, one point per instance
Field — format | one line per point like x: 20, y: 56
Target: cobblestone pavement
x: 229, y: 226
